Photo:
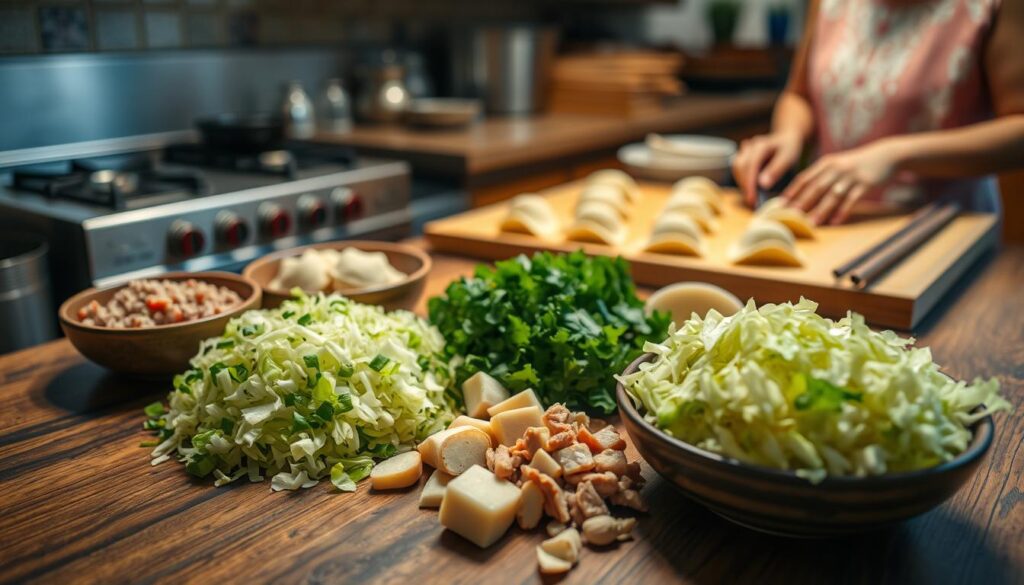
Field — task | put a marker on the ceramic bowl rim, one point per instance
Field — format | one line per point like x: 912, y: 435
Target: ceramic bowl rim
x: 412, y: 251
x: 981, y: 440
x: 255, y: 294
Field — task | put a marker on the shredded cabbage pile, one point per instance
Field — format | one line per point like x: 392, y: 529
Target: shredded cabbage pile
x: 320, y: 386
x: 783, y: 387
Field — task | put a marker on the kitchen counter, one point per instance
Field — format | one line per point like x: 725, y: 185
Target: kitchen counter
x: 498, y: 149
x: 82, y: 503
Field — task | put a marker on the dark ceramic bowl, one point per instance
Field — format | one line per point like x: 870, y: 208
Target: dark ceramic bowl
x: 157, y: 350
x: 779, y: 502
x: 403, y: 294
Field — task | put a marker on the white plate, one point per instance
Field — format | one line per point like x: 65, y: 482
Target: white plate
x: 691, y: 146
x: 640, y: 162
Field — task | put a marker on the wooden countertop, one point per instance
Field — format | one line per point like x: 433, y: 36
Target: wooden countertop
x: 81, y: 503
x: 503, y: 142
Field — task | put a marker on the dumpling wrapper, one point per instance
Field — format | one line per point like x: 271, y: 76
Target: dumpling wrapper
x: 600, y: 213
x: 306, y: 272
x: 766, y: 243
x: 794, y: 219
x: 357, y: 269
x: 676, y: 233
x: 531, y: 214
x: 695, y: 206
x: 585, y: 230
x: 605, y: 193
x: 703, y: 187
x: 618, y: 178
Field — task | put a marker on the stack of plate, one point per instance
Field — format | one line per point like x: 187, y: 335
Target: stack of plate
x: 672, y: 157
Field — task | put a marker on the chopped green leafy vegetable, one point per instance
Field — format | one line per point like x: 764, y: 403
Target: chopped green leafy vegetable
x: 783, y: 387
x: 562, y: 324
x: 306, y: 397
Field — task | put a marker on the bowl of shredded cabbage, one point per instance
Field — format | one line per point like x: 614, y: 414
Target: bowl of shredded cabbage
x: 788, y: 422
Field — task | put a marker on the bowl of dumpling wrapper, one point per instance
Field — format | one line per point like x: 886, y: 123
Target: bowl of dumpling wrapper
x: 376, y: 273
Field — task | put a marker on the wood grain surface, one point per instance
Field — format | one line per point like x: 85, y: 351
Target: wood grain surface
x: 899, y: 298
x: 79, y: 501
x: 513, y: 141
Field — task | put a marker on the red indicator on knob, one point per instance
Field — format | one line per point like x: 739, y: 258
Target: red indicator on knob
x: 276, y: 221
x: 231, y: 230
x: 185, y: 239
x: 312, y: 211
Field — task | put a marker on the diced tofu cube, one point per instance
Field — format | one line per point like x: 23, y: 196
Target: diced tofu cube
x: 479, y: 507
x: 510, y: 425
x: 433, y: 491
x: 468, y: 421
x: 543, y: 462
x: 521, y: 400
x: 481, y: 392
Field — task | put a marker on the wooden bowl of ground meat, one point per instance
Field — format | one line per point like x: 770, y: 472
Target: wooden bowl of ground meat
x: 153, y: 326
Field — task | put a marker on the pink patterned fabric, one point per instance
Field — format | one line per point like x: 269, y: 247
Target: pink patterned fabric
x: 880, y: 68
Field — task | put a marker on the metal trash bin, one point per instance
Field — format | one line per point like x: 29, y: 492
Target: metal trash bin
x: 26, y: 310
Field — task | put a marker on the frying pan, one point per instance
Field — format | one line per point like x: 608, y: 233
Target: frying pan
x: 237, y: 132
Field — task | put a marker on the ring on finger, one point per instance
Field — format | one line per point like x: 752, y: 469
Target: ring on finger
x: 840, y: 189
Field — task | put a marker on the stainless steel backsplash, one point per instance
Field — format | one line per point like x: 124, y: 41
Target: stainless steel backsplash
x: 58, y: 99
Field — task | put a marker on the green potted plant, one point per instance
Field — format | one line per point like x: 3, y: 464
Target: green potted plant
x: 723, y: 16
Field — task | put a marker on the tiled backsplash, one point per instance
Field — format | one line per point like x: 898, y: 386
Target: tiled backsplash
x: 54, y: 26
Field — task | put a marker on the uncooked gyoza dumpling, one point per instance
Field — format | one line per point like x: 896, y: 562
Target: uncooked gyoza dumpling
x: 695, y: 206
x: 357, y: 269
x: 766, y: 242
x: 676, y: 233
x: 619, y: 179
x: 600, y: 213
x: 531, y: 214
x: 704, y: 187
x: 609, y: 194
x: 306, y: 272
x: 597, y: 221
x: 795, y: 219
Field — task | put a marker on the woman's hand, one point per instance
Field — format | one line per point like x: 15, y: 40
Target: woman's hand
x: 829, y: 189
x: 763, y: 160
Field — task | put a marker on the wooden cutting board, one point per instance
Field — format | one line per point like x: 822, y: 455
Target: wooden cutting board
x: 899, y: 299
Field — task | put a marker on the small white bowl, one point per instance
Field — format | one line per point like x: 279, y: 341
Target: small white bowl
x: 682, y: 299
x: 641, y: 162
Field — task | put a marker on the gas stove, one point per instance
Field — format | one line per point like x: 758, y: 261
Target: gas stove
x: 190, y: 207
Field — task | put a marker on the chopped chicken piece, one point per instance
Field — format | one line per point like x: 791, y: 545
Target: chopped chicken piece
x: 596, y: 424
x: 535, y: 438
x: 606, y: 438
x: 630, y: 499
x: 554, y: 498
x: 605, y: 483
x: 611, y: 460
x: 489, y: 459
x: 602, y: 530
x: 561, y: 441
x: 503, y: 465
x: 589, y: 501
x: 581, y: 419
x: 557, y: 418
x: 575, y: 459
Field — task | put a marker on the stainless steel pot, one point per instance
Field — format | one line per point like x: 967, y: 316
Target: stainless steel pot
x: 26, y: 312
x: 506, y: 66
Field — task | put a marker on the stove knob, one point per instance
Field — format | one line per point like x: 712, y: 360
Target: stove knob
x: 185, y: 239
x: 274, y: 220
x: 348, y: 203
x: 231, y: 229
x: 312, y: 211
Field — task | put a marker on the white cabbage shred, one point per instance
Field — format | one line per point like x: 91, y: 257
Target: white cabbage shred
x: 781, y: 386
x: 318, y: 387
